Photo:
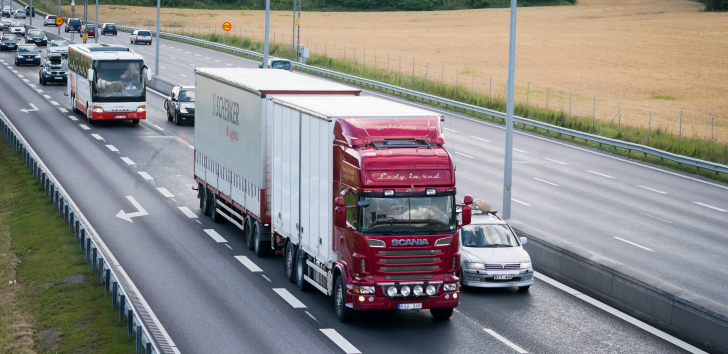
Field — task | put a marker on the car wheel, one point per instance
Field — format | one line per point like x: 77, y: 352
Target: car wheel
x: 176, y: 119
x: 524, y: 288
x: 441, y: 313
x: 343, y: 313
x: 216, y: 217
x: 301, y: 268
x: 290, y: 262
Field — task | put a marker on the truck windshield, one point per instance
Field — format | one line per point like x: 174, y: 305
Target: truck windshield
x: 119, y: 81
x: 408, y: 215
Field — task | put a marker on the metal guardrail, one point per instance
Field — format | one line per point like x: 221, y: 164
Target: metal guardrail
x: 116, y: 282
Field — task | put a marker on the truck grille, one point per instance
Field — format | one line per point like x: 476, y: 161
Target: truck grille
x: 409, y: 269
x: 408, y: 276
x: 503, y: 266
x: 409, y: 260
x: 410, y: 253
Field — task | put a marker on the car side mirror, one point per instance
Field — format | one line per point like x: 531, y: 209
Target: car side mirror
x: 467, y: 215
x: 524, y: 241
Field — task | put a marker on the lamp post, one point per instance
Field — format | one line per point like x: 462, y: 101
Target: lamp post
x: 156, y: 55
x: 265, y: 41
x: 96, y: 21
x: 508, y: 170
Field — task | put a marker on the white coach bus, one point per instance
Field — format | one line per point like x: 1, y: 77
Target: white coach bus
x: 107, y: 82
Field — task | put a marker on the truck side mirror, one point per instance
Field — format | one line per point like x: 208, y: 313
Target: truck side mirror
x: 90, y: 74
x: 340, y: 212
x: 340, y: 201
x: 468, y: 200
x: 467, y: 215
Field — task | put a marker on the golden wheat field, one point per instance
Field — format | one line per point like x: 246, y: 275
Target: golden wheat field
x: 659, y: 56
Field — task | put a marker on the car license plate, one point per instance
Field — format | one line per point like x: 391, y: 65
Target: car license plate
x: 59, y: 77
x: 416, y: 306
x: 120, y: 116
x: 29, y: 59
x: 503, y: 277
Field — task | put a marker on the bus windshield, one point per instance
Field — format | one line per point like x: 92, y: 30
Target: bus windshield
x: 119, y: 81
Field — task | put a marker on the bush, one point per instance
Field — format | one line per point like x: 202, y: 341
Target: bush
x: 479, y: 4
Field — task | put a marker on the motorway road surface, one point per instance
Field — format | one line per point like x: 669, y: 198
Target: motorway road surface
x: 205, y: 297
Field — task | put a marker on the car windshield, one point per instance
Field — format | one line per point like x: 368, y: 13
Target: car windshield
x: 17, y: 24
x: 35, y: 33
x: 498, y: 235
x: 9, y: 38
x: 285, y: 65
x: 90, y: 26
x: 408, y: 215
x: 27, y: 48
x: 187, y: 96
x: 119, y: 80
x: 59, y: 44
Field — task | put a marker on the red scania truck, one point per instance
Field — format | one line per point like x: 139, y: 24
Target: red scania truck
x: 360, y: 195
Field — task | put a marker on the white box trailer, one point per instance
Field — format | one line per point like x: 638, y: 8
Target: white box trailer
x: 232, y: 142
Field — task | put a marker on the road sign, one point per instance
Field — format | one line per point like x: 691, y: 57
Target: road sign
x: 227, y: 26
x: 298, y: 22
x: 59, y: 21
x: 85, y: 37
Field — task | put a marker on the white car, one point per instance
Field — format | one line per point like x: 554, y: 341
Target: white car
x: 17, y: 28
x: 491, y: 254
x: 58, y: 46
x: 141, y: 36
x: 19, y: 14
x: 50, y: 20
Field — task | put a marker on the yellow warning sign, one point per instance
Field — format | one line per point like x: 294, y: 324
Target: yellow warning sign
x: 298, y: 22
x: 85, y: 37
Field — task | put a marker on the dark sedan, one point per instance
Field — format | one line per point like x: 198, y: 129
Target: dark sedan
x: 8, y: 42
x: 36, y: 36
x: 27, y: 54
x: 180, y: 105
x: 53, y: 69
x: 108, y: 28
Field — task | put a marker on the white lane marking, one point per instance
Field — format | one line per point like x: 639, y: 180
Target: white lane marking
x: 310, y: 315
x: 128, y: 161
x: 32, y: 85
x: 63, y: 110
x: 197, y: 55
x: 145, y: 175
x: 207, y: 58
x: 266, y: 278
x: 556, y: 161
x: 46, y: 96
x: 191, y: 147
x: 165, y: 192
x: 157, y: 93
x: 619, y: 314
x: 553, y: 184
x: 55, y: 103
x: 215, y: 236
x: 599, y: 174
x: 519, y: 150
x: 217, y: 61
x: 73, y: 118
x: 653, y: 190
x: 228, y: 64
x: 127, y: 216
x: 161, y: 67
x: 228, y: 246
x: 192, y: 64
x: 634, y: 244
x: 518, y: 201
x: 290, y: 299
x: 112, y: 148
x: 654, y: 217
x: 180, y: 50
x: 26, y: 80
x: 198, y: 221
x: 450, y: 130
x: 481, y: 139
x: 173, y: 58
x: 158, y: 127
x: 506, y: 341
x: 188, y: 212
x: 188, y: 52
x: 711, y: 207
x: 84, y: 127
x: 248, y: 264
x: 97, y: 137
x: 344, y: 344
x: 183, y: 75
x: 460, y: 153
x: 39, y: 90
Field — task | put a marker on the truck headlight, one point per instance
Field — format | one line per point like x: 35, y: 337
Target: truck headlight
x: 388, y: 192
x: 431, y: 290
x: 392, y: 291
x: 142, y: 108
x: 183, y: 110
x: 405, y: 291
x: 417, y: 290
x: 363, y: 289
x: 431, y: 191
x: 450, y: 287
x: 475, y: 265
x: 525, y: 265
x: 98, y: 109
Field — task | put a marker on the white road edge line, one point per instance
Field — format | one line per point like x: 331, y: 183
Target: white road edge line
x: 506, y: 341
x: 518, y: 201
x: 310, y: 315
x: 215, y: 236
x: 653, y: 190
x: 165, y: 192
x: 266, y: 278
x: 654, y: 217
x: 248, y: 263
x: 290, y: 299
x: 461, y: 154
x: 481, y: 139
x: 188, y: 212
x: 553, y: 184
x: 711, y: 207
x: 599, y: 174
x: 128, y: 161
x: 339, y: 340
x: 634, y: 244
x: 145, y: 175
x: 621, y: 315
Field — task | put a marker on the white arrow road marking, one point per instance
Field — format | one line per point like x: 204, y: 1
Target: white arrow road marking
x: 127, y: 217
x: 25, y: 110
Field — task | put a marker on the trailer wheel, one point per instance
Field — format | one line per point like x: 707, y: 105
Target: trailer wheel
x: 343, y: 313
x: 216, y: 217
x: 205, y: 203
x: 301, y: 268
x: 249, y: 232
x: 290, y: 262
x: 441, y: 313
x: 260, y: 246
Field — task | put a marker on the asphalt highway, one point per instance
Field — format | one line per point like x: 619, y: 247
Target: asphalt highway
x: 210, y: 301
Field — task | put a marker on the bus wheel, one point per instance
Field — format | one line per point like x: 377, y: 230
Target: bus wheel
x: 135, y: 121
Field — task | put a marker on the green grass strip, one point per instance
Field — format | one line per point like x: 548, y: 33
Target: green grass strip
x: 57, y: 304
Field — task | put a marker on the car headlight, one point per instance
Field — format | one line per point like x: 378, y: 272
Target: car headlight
x: 45, y: 38
x: 525, y: 265
x: 363, y: 289
x: 142, y: 108
x: 98, y: 109
x: 431, y: 290
x: 183, y: 110
x: 450, y: 287
x: 475, y: 265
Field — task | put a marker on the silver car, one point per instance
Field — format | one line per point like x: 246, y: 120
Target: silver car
x: 50, y: 20
x: 58, y: 46
x: 19, y: 14
x: 491, y: 254
x: 17, y: 28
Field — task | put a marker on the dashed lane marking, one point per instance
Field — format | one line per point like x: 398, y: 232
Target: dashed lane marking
x: 112, y: 148
x: 84, y: 127
x: 55, y: 103
x: 547, y: 182
x: 215, y: 236
x: 450, y: 130
x: 290, y: 299
x: 711, y: 207
x: 481, y: 139
x: 599, y: 174
x: 310, y: 315
x: 461, y: 154
x: 518, y: 201
x: 188, y: 212
x: 266, y: 278
x: 63, y: 110
x: 634, y: 244
x: 519, y: 150
x: 653, y: 190
x: 72, y: 118
x: 146, y: 176
x: 228, y: 246
x: 506, y: 341
x: 337, y: 338
x: 46, y: 96
x: 556, y: 161
x: 165, y: 192
x: 654, y: 217
x: 248, y: 263
x: 97, y: 137
x: 128, y: 161
x: 183, y: 75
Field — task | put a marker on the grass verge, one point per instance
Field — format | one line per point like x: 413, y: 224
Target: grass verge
x: 53, y: 304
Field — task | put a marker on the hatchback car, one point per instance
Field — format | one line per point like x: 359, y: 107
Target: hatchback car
x: 17, y: 28
x: 5, y: 24
x: 58, y: 46
x: 53, y: 69
x: 36, y: 36
x: 73, y: 25
x: 283, y: 64
x: 491, y: 254
x: 7, y: 11
x: 108, y: 28
x: 50, y: 20
x: 19, y: 14
x: 30, y: 11
x: 180, y: 105
x: 27, y: 54
x: 90, y: 29
x: 141, y: 36
x: 8, y: 42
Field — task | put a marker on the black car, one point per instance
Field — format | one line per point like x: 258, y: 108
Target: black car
x: 36, y: 36
x: 180, y: 105
x: 27, y: 54
x: 53, y: 69
x: 8, y: 41
x: 30, y: 11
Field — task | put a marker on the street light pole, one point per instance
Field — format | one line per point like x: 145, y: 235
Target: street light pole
x: 59, y: 15
x: 96, y: 19
x: 31, y: 12
x: 265, y: 42
x: 156, y: 55
x: 507, y: 177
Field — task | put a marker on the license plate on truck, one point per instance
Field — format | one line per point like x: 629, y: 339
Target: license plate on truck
x: 417, y: 306
x: 503, y: 277
x: 120, y: 116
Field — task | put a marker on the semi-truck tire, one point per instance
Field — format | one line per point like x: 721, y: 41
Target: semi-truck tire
x: 343, y: 313
x: 441, y: 313
x: 249, y: 222
x: 301, y: 268
x: 205, y: 204
x: 262, y: 248
x: 289, y: 262
x: 216, y: 217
